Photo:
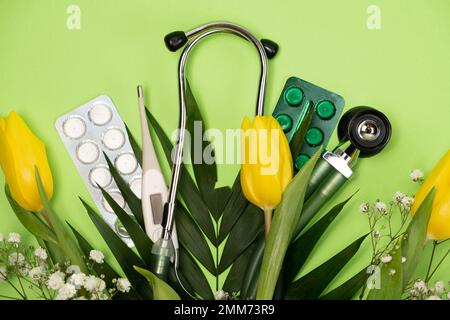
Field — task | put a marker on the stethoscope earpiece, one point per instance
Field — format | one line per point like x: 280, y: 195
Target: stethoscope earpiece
x: 175, y: 40
x: 366, y: 128
x: 270, y: 47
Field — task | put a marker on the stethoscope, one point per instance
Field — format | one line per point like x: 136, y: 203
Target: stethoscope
x: 174, y: 41
x: 362, y: 131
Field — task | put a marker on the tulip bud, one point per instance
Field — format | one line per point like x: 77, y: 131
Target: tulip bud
x: 439, y: 224
x: 267, y: 166
x: 20, y: 153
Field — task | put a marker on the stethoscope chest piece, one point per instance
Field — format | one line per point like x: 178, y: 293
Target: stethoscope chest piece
x: 366, y: 128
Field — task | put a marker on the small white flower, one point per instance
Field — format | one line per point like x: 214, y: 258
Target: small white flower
x: 407, y: 202
x: 398, y: 196
x: 403, y: 259
x: 96, y: 256
x: 123, y: 285
x: 2, y: 238
x: 386, y: 258
x: 416, y: 175
x: 439, y: 287
x: 221, y: 295
x: 16, y: 259
x: 392, y: 272
x: 73, y: 269
x: 420, y: 286
x: 56, y: 280
x: 36, y: 274
x: 3, y: 273
x: 94, y: 284
x: 433, y: 298
x: 41, y: 253
x: 380, y: 206
x: 364, y: 207
x: 77, y: 279
x: 66, y: 292
x: 14, y: 238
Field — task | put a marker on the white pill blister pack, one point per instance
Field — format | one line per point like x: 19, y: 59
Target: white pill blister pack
x: 90, y: 131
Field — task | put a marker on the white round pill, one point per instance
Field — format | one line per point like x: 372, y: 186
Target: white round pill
x: 88, y: 152
x: 117, y: 197
x: 100, y: 114
x: 100, y: 176
x: 74, y: 127
x: 120, y: 229
x: 126, y: 163
x: 136, y: 186
x: 114, y: 139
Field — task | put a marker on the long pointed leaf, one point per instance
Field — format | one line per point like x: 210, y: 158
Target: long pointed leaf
x: 243, y: 234
x: 187, y: 188
x: 349, y: 288
x: 391, y: 279
x: 301, y: 248
x: 190, y: 271
x: 140, y: 239
x: 234, y: 208
x: 192, y: 238
x: 30, y: 221
x: 65, y: 242
x: 315, y: 282
x: 235, y: 277
x: 134, y: 145
x: 161, y: 290
x: 126, y: 257
x: 284, y: 221
x: 413, y: 245
x: 130, y: 198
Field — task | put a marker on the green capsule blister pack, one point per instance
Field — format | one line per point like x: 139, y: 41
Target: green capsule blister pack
x: 299, y: 95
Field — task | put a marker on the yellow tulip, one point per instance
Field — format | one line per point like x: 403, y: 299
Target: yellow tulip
x: 439, y: 225
x: 267, y: 166
x: 20, y: 153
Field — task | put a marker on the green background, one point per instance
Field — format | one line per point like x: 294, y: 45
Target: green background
x: 403, y: 69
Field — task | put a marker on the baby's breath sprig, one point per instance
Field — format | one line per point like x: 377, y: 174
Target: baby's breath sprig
x: 28, y: 272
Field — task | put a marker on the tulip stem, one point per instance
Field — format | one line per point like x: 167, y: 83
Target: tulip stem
x: 267, y: 221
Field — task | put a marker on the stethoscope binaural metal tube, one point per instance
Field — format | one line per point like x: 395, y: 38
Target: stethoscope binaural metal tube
x: 199, y: 34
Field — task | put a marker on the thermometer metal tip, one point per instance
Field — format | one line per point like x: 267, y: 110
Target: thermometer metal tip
x: 140, y: 91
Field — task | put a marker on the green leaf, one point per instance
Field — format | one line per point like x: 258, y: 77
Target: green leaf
x: 298, y: 138
x: 349, y: 288
x: 205, y: 173
x: 161, y: 290
x: 234, y: 208
x: 186, y: 187
x: 190, y: 271
x: 192, y: 238
x: 391, y: 285
x: 134, y: 145
x: 104, y: 268
x: 311, y: 285
x: 243, y: 234
x: 301, y: 248
x: 126, y: 257
x: 29, y: 220
x: 415, y: 237
x: 284, y: 221
x: 235, y: 277
x: 65, y: 241
x: 140, y: 239
x: 134, y: 203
